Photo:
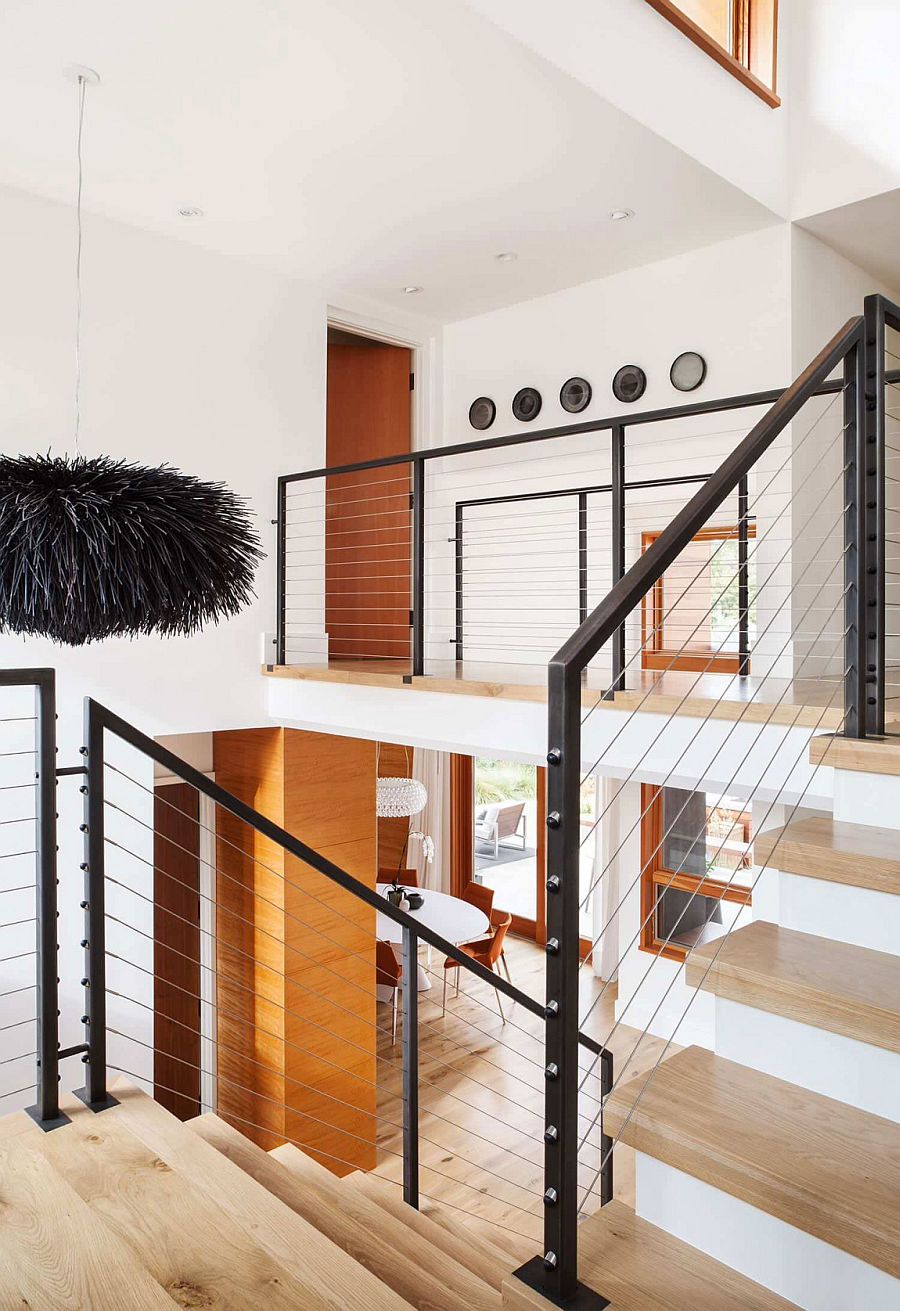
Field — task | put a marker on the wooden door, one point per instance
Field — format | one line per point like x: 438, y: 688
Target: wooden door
x: 368, y: 523
x: 176, y: 949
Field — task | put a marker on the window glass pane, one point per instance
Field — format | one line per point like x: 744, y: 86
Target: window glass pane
x: 504, y: 839
x: 714, y: 16
x: 706, y: 835
x: 700, y: 598
x: 588, y: 874
x: 685, y: 919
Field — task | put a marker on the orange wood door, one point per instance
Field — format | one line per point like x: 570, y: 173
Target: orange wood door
x: 368, y: 524
x: 176, y: 949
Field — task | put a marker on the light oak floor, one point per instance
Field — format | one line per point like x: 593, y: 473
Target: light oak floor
x: 481, y: 1097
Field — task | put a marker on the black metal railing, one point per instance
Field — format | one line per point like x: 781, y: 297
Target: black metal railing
x: 410, y: 562
x: 858, y: 350
x: 32, y: 757
x: 101, y: 727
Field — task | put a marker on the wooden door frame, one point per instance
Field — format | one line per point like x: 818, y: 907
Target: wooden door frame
x: 423, y: 345
x: 462, y: 842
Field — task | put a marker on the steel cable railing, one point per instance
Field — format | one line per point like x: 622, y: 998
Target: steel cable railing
x: 848, y: 349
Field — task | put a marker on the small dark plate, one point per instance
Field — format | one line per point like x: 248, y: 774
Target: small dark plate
x: 482, y: 413
x: 575, y: 395
x: 526, y: 404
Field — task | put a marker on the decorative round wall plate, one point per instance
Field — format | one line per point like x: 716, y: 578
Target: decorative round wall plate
x: 575, y: 395
x: 482, y: 413
x: 630, y: 383
x: 688, y: 371
x: 526, y: 404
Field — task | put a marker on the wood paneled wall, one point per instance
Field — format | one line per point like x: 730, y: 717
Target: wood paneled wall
x: 297, y: 954
x: 250, y: 937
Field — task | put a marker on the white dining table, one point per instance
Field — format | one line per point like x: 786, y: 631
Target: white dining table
x: 454, y: 919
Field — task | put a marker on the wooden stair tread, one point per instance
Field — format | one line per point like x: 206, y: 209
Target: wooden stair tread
x: 55, y: 1250
x: 641, y: 1268
x: 484, y: 1260
x: 295, y: 1244
x: 830, y: 985
x: 815, y: 1163
x: 497, y: 1238
x: 872, y: 755
x: 819, y: 847
x: 422, y: 1276
x: 177, y: 1229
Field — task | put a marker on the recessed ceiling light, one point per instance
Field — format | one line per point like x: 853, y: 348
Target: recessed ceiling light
x: 411, y: 291
x: 190, y: 211
x: 618, y: 214
x: 507, y: 256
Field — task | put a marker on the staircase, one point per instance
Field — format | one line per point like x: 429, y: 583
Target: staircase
x: 130, y: 1210
x: 779, y: 1152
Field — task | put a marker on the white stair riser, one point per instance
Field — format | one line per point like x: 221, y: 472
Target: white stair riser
x: 837, y: 911
x: 861, y: 798
x: 847, y: 1070
x: 808, y: 1272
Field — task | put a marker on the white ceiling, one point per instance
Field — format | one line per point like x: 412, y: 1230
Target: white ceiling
x: 866, y: 232
x: 360, y: 144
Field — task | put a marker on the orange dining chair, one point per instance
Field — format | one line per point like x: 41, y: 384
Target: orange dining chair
x: 495, y: 917
x: 476, y: 894
x: 407, y: 878
x: 388, y: 972
x: 487, y: 951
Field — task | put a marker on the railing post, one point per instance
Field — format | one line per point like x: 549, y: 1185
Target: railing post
x: 582, y: 556
x: 873, y: 375
x: 46, y: 1110
x: 410, y: 982
x: 617, y: 509
x: 95, y: 1092
x: 280, y: 574
x: 418, y: 578
x: 743, y: 577
x: 606, y: 1142
x: 555, y: 1274
x: 856, y: 577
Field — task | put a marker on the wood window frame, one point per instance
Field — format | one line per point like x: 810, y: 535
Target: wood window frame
x: 654, y: 652
x: 654, y: 875
x: 753, y: 54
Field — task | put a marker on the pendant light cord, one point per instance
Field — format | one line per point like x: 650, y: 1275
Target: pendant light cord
x: 82, y: 84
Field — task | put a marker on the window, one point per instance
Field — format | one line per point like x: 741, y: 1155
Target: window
x: 696, y: 858
x: 741, y: 35
x: 691, y: 618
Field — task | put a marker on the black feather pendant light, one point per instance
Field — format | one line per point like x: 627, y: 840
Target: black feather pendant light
x: 92, y: 547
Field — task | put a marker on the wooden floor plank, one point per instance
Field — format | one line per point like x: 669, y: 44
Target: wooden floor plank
x: 56, y: 1253
x: 829, y: 985
x: 818, y: 1164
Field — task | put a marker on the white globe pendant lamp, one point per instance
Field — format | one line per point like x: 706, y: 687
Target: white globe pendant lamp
x: 399, y: 798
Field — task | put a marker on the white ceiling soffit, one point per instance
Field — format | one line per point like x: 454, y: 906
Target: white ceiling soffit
x: 866, y: 232
x: 363, y: 146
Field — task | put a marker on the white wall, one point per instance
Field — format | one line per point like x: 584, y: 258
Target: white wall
x: 844, y: 105
x: 187, y: 358
x: 637, y: 60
